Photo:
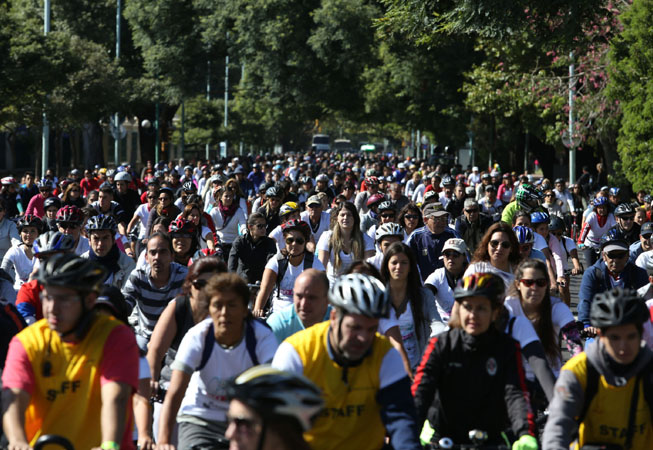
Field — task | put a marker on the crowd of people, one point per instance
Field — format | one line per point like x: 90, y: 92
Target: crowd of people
x: 324, y: 301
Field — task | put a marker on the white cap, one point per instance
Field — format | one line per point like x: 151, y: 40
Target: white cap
x: 475, y: 169
x: 455, y: 244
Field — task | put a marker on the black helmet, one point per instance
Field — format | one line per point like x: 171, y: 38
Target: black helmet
x: 29, y: 220
x: 618, y: 306
x: 52, y: 201
x: 111, y: 298
x: 623, y: 209
x: 556, y: 224
x: 484, y: 284
x: 273, y: 393
x: 189, y: 187
x: 614, y: 236
x: 101, y: 222
x: 69, y: 270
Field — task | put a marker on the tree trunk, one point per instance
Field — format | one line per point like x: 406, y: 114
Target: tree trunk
x: 92, y: 144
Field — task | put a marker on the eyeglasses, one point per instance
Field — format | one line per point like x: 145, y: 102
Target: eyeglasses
x: 439, y: 218
x: 298, y: 241
x: 411, y: 216
x: 617, y: 254
x: 388, y: 215
x: 151, y: 197
x: 199, y: 283
x: 503, y: 244
x: 43, y: 191
x: 163, y: 199
x: 68, y: 225
x: 242, y: 424
x: 451, y: 254
x: 471, y: 211
x: 259, y: 226
x: 548, y: 195
x: 540, y: 282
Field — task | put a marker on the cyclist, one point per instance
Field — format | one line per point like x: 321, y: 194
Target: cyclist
x: 72, y: 373
x: 361, y: 376
x: 69, y: 221
x: 473, y: 374
x: 603, y: 393
x: 624, y: 214
x: 598, y: 222
x: 270, y: 409
x: 527, y: 199
x: 20, y: 259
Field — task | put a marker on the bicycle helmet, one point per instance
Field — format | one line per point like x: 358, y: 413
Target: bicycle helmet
x: 189, y: 187
x: 556, y: 224
x: 375, y: 199
x: 600, y: 201
x: 623, y: 209
x: 386, y: 206
x: 371, y: 181
x: 446, y: 181
x: 69, y: 270
x: 29, y: 220
x: 613, y: 191
x: 70, y: 213
x: 299, y: 225
x: 101, y: 222
x: 273, y: 192
x: 288, y: 208
x: 52, y: 201
x: 540, y: 217
x: 528, y: 198
x: 123, y: 176
x: 482, y: 284
x: 306, y: 180
x: 388, y: 229
x: 272, y: 392
x: 613, y: 236
x: 45, y: 184
x: 53, y: 242
x: 111, y: 173
x: 111, y: 298
x: 182, y: 226
x: 356, y: 293
x: 524, y: 234
x: 618, y: 306
x: 8, y: 181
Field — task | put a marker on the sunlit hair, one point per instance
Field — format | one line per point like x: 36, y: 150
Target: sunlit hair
x: 337, y: 239
x: 66, y: 195
x: 482, y: 254
x: 221, y: 283
x: 543, y: 325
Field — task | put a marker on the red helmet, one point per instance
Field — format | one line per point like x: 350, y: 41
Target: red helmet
x: 375, y: 199
x: 182, y: 226
x: 70, y: 213
x: 299, y: 225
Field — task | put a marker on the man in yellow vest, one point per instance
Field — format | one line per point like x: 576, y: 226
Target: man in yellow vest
x: 73, y: 372
x: 363, y: 381
x: 605, y: 392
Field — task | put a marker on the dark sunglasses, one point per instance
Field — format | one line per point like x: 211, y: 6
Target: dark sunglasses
x: 451, y: 254
x: 163, y: 199
x: 503, y: 244
x: 525, y: 247
x: 388, y: 215
x: 260, y: 226
x: 540, y: 282
x: 74, y: 190
x: 628, y: 218
x: 152, y: 197
x: 471, y: 211
x: 548, y: 195
x: 68, y: 225
x: 617, y: 254
x: 411, y: 216
x: 199, y: 283
x: 298, y: 241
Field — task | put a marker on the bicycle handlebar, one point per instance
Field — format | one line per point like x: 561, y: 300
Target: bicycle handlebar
x: 53, y: 439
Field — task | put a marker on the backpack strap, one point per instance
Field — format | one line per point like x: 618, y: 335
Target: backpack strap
x: 282, y: 263
x: 591, y: 388
x: 250, y: 341
x: 600, y: 277
x: 209, y: 342
x: 308, y: 260
x: 511, y: 324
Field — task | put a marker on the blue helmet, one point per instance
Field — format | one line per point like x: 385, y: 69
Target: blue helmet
x: 524, y: 234
x: 600, y: 201
x: 540, y: 217
x: 614, y: 191
x: 614, y: 236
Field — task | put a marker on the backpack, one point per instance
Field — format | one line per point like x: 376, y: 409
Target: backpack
x: 592, y: 387
x: 283, y: 266
x: 11, y: 322
x: 250, y: 342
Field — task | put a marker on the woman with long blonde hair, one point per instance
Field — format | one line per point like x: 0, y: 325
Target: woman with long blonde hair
x: 344, y: 242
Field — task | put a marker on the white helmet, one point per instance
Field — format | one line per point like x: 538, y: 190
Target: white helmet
x: 123, y: 176
x: 356, y: 293
x: 388, y: 229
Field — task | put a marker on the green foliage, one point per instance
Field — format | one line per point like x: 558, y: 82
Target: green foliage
x: 631, y: 62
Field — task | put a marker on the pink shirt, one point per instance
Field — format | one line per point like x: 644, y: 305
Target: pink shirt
x: 36, y: 206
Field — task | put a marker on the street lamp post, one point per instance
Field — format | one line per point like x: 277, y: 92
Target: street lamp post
x: 207, y: 148
x: 226, y: 97
x: 116, y: 120
x: 45, y: 137
x: 570, y: 139
x: 470, y: 135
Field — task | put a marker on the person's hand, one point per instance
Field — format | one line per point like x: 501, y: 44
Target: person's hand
x: 145, y: 443
x: 561, y: 281
x: 577, y: 271
x: 154, y: 386
x: 19, y: 446
x: 526, y: 442
x: 164, y: 447
x: 258, y: 313
x: 590, y: 331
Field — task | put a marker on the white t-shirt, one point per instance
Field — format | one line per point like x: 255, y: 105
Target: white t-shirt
x: 205, y: 396
x: 143, y: 214
x: 486, y: 267
x: 444, y: 298
x: 561, y: 315
x: 228, y: 232
x: 277, y: 235
x: 285, y: 297
x: 16, y: 259
x: 83, y: 246
x: 205, y: 232
x: 539, y: 242
x: 323, y: 244
x: 593, y: 238
x: 644, y: 259
x: 408, y: 335
x: 325, y: 221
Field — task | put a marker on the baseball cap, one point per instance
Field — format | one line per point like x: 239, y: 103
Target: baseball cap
x: 313, y: 200
x: 434, y: 210
x: 617, y: 244
x: 429, y: 195
x: 647, y: 228
x: 322, y: 177
x: 470, y: 203
x: 455, y: 244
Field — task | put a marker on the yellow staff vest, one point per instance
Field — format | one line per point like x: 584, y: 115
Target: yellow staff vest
x: 68, y: 401
x: 352, y: 418
x: 606, y: 420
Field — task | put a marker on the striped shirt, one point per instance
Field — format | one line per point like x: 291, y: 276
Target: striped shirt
x: 148, y: 301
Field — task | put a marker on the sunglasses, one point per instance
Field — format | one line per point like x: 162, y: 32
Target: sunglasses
x: 451, y: 254
x: 471, y: 211
x: 241, y: 423
x: 199, y: 284
x: 503, y: 244
x: 548, y: 195
x: 298, y: 241
x: 540, y: 282
x: 387, y: 216
x: 525, y: 247
x: 411, y: 216
x: 151, y: 197
x: 259, y: 226
x: 68, y: 225
x: 163, y: 199
x: 617, y: 254
x: 627, y: 218
x: 74, y: 190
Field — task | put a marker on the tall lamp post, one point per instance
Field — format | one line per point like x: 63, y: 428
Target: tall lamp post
x: 570, y: 139
x: 116, y: 120
x: 45, y: 137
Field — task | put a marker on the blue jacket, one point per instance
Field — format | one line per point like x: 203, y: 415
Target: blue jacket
x: 596, y: 280
x: 427, y: 248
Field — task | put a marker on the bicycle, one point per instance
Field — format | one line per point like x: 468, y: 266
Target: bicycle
x: 477, y: 437
x: 49, y: 439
